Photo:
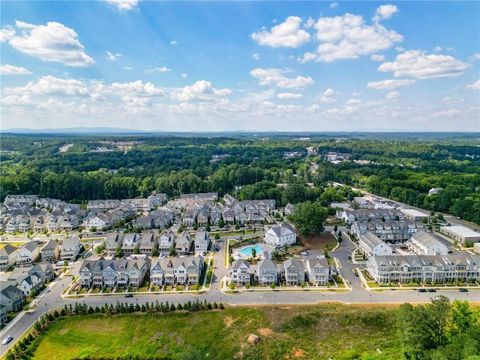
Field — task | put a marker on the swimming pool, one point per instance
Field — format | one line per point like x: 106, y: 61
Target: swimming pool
x: 247, y: 250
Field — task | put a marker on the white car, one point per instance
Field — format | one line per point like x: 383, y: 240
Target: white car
x: 7, y: 339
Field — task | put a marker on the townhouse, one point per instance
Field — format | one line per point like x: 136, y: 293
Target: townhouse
x: 8, y: 256
x: 95, y: 222
x: 423, y: 243
x: 462, y: 234
x: 131, y: 244
x: 70, y: 248
x: 50, y: 251
x: 183, y: 244
x: 372, y: 245
x: 103, y: 205
x: 318, y: 271
x: 388, y: 231
x: 148, y: 243
x: 424, y: 268
x: 111, y: 273
x: 113, y: 241
x: 166, y: 243
x: 293, y: 272
x: 240, y: 273
x: 202, y: 242
x: 176, y: 271
x: 28, y: 253
x: 266, y: 273
x: 10, y: 296
x: 365, y: 215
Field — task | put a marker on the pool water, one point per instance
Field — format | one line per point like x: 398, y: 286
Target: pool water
x: 247, y: 251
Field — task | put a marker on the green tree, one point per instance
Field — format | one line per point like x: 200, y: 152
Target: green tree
x: 309, y: 218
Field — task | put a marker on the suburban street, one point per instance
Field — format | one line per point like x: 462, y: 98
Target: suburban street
x: 52, y: 297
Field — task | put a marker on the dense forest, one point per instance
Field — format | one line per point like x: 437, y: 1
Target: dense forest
x: 403, y: 168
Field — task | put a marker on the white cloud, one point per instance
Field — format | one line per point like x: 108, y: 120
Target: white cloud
x: 112, y: 56
x: 446, y: 113
x: 389, y: 84
x: 160, y: 69
x: 474, y: 57
x: 256, y: 56
x: 418, y: 64
x: 329, y: 92
x: 184, y: 75
x: 137, y: 88
x: 13, y: 70
x: 276, y: 77
x: 200, y: 90
x: 50, y: 85
x: 352, y: 102
x: 328, y: 96
x: 7, y: 33
x: 289, y: 96
x: 16, y: 100
x: 393, y: 95
x: 51, y: 42
x: 173, y: 42
x: 385, y: 12
x: 475, y: 85
x: 287, y: 34
x: 349, y: 37
x: 377, y: 57
x: 333, y: 5
x: 123, y: 4
x: 437, y: 49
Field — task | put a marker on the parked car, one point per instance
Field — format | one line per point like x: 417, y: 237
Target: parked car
x: 422, y: 290
x: 432, y: 290
x: 7, y: 339
x: 463, y: 290
x: 128, y: 295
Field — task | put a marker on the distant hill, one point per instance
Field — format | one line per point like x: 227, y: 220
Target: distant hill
x: 75, y: 130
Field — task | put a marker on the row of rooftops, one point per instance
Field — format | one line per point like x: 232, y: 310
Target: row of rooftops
x: 457, y: 259
x: 297, y: 263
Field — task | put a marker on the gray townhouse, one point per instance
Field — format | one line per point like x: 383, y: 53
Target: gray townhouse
x: 10, y: 296
x: 388, y: 231
x: 266, y: 272
x: 131, y: 243
x: 293, y: 272
x: 424, y: 268
x: 112, y: 242
x: 183, y: 244
x: 50, y: 252
x: 148, y: 242
x: 111, y: 273
x: 176, y: 271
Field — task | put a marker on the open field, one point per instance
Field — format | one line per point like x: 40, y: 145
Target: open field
x: 308, y: 332
x: 324, y: 241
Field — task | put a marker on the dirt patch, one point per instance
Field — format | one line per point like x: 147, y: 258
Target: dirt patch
x: 298, y: 353
x: 229, y: 321
x: 323, y: 241
x: 265, y: 331
x: 63, y: 331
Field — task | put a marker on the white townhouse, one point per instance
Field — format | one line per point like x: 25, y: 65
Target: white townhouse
x: 98, y: 222
x: 202, y: 242
x: 266, y: 272
x: 176, y: 271
x: 239, y: 272
x: 8, y: 256
x: 318, y: 271
x: 280, y: 235
x: 166, y: 243
x: 70, y: 248
x: 372, y: 245
x: 423, y: 243
x: 461, y: 234
x: 183, y: 243
x: 28, y: 253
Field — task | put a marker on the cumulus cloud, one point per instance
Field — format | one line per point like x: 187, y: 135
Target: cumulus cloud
x: 385, y: 12
x: 287, y: 34
x: 7, y: 33
x: 389, y: 84
x: 289, y: 96
x: 475, y: 85
x: 418, y: 64
x: 376, y: 57
x: 51, y: 42
x: 112, y: 56
x: 200, y: 90
x: 138, y: 88
x: 393, y: 95
x: 13, y: 70
x: 123, y: 5
x: 349, y: 37
x: 277, y: 77
x: 50, y: 85
x: 328, y: 96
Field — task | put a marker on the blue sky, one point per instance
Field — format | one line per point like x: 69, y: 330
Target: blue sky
x: 206, y: 66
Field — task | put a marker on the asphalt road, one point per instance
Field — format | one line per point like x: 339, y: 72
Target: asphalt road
x: 52, y: 298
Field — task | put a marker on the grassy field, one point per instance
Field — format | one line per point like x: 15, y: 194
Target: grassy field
x: 305, y: 332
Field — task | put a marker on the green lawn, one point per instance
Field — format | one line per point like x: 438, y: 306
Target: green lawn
x: 307, y: 332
